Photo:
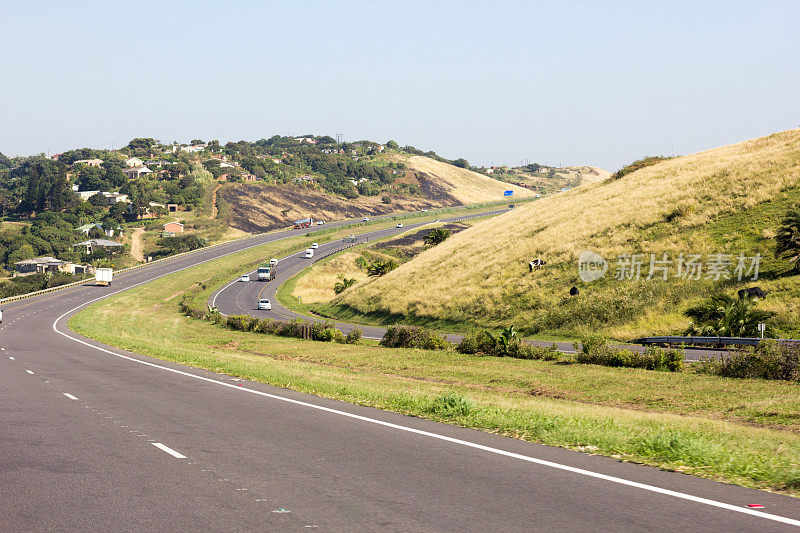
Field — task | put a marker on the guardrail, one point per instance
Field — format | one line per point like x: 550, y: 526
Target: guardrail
x: 134, y: 267
x: 703, y: 341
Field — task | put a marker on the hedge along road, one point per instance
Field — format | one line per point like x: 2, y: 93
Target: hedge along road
x: 101, y: 437
x: 241, y: 298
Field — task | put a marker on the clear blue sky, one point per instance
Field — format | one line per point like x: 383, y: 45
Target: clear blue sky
x: 559, y: 82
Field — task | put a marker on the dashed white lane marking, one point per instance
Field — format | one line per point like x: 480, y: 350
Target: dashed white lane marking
x: 11, y: 358
x: 29, y: 371
x: 169, y: 450
x: 70, y: 396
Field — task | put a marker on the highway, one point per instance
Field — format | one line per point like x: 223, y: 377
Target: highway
x: 237, y: 298
x: 96, y: 438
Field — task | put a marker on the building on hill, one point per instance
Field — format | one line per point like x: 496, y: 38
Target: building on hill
x: 136, y: 172
x: 89, y: 162
x: 38, y: 265
x: 86, y: 228
x: 93, y: 244
x: 114, y: 197
x: 134, y: 162
x: 85, y: 195
x: 173, y: 228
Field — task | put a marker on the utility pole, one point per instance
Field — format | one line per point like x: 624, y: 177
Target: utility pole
x: 338, y: 138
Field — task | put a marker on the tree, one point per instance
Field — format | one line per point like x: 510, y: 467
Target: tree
x: 25, y: 251
x: 379, y: 268
x: 436, y: 236
x: 461, y: 163
x: 392, y: 145
x: 344, y: 284
x: 725, y: 316
x: 96, y: 233
x: 195, y: 142
x: 788, y: 238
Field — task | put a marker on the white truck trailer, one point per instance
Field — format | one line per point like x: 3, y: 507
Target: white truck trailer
x: 103, y: 276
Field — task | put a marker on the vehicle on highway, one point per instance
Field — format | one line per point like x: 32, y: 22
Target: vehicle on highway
x: 424, y: 210
x: 103, y: 276
x: 314, y: 245
x: 309, y: 253
x: 399, y: 224
x: 303, y: 223
x: 273, y: 263
x: 320, y: 222
x: 245, y: 277
x: 265, y: 273
x: 264, y: 304
x: 365, y: 219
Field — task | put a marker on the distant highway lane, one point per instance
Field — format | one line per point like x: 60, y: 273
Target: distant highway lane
x: 96, y: 438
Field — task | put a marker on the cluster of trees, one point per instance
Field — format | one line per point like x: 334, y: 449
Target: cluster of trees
x: 49, y: 234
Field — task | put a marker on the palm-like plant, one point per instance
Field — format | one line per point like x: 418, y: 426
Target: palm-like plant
x: 379, y: 268
x: 504, y: 339
x: 725, y: 316
x: 788, y: 238
x: 343, y: 284
x: 436, y: 235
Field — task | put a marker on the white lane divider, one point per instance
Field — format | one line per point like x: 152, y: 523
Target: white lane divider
x: 11, y: 358
x: 70, y: 396
x: 468, y: 444
x: 169, y: 450
x: 29, y: 371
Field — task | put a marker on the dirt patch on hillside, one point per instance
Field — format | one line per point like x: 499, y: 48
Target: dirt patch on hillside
x: 260, y: 207
x: 408, y: 246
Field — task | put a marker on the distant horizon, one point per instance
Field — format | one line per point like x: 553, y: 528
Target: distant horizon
x: 560, y: 83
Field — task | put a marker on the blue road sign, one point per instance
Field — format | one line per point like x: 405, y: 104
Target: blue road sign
x: 508, y: 193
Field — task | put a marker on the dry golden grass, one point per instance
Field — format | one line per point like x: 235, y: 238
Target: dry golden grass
x: 482, y: 275
x: 464, y: 185
x: 317, y: 285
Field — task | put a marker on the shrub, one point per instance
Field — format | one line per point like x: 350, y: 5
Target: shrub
x: 413, y: 337
x: 477, y: 342
x: 354, y: 336
x: 450, y: 405
x: 769, y: 360
x: 595, y: 350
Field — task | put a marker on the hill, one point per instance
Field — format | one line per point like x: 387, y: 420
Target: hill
x: 420, y: 183
x: 724, y: 201
x: 465, y: 186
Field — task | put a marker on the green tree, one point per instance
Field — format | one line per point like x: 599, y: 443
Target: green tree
x: 436, y: 236
x: 788, y: 238
x: 343, y: 284
x: 725, y: 316
x: 25, y: 251
x: 381, y: 267
x: 461, y: 163
x: 392, y: 145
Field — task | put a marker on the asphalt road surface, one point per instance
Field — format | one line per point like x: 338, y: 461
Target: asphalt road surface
x: 236, y: 298
x: 94, y: 438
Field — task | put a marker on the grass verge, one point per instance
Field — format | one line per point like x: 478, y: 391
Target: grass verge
x: 740, y: 431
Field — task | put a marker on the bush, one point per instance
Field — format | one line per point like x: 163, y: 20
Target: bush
x: 769, y: 360
x: 450, y: 405
x: 354, y: 336
x: 485, y: 343
x: 595, y: 350
x: 412, y: 337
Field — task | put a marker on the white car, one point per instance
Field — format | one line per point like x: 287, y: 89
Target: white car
x: 245, y: 277
x: 314, y: 245
x: 320, y: 222
x: 424, y: 210
x: 264, y: 304
x: 399, y: 224
x: 309, y: 253
x: 365, y: 219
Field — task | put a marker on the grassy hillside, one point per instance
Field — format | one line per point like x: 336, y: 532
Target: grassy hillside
x: 466, y: 186
x: 726, y: 200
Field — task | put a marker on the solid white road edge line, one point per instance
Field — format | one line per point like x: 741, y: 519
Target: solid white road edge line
x: 29, y: 371
x: 497, y: 451
x: 70, y: 396
x: 169, y: 450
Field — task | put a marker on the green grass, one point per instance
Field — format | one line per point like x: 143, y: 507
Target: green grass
x: 741, y: 431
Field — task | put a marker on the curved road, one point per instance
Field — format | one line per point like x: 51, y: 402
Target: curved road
x: 98, y: 438
x: 238, y: 298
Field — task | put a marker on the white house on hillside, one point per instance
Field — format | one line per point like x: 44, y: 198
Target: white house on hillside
x: 136, y: 172
x: 134, y: 162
